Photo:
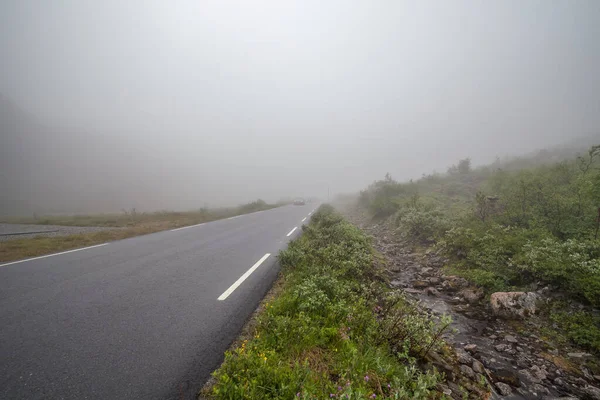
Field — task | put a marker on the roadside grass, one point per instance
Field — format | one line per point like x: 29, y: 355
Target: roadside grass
x: 128, y: 225
x: 133, y: 218
x: 334, y: 329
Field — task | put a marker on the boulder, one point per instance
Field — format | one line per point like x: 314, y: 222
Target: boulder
x: 511, y: 305
x: 463, y: 357
x: 478, y: 367
x: 504, y: 389
x: 511, y: 339
x: 527, y: 376
x: 471, y: 295
x: 471, y: 348
x: 592, y: 392
x: 434, y: 280
x: 467, y: 371
x: 454, y: 283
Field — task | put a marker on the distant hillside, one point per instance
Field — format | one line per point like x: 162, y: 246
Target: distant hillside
x: 550, y: 155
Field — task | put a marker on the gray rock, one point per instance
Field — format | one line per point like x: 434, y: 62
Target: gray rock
x: 501, y: 347
x: 471, y: 348
x: 592, y: 391
x: 434, y: 280
x: 526, y: 376
x: 467, y: 371
x: 478, y: 367
x: 457, y: 391
x: 463, y: 357
x: 431, y: 291
x: 511, y: 305
x: 471, y: 295
x: 538, y: 372
x: 503, y: 388
x: 559, y: 382
x: 511, y: 339
x: 454, y: 283
x: 444, y: 389
x: 539, y: 389
x: 523, y: 363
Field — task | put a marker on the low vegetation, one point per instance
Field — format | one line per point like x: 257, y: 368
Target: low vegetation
x: 131, y: 218
x: 127, y: 224
x: 509, y: 228
x: 334, y: 330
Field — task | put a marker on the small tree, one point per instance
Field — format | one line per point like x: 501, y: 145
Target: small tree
x: 586, y: 162
x: 482, y: 206
x: 464, y: 166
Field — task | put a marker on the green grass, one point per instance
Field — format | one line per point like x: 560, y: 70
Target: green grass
x: 333, y: 330
x: 128, y: 224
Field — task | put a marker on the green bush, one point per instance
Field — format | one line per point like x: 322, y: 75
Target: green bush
x: 582, y: 328
x: 572, y: 265
x: 423, y: 225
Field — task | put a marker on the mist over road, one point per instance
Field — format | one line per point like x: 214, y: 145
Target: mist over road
x: 143, y: 318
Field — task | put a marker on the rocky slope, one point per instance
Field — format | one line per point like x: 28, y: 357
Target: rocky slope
x: 499, y: 337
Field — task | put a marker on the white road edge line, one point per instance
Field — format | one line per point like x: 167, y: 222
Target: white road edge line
x: 233, y: 217
x: 304, y: 219
x: 185, y: 227
x: 242, y: 278
x: 292, y: 231
x: 52, y: 255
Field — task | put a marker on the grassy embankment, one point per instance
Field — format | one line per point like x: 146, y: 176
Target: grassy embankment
x: 129, y: 223
x: 509, y: 228
x: 334, y: 329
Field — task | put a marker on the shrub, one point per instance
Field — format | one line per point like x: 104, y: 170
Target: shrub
x: 572, y: 265
x: 422, y: 225
x: 581, y: 328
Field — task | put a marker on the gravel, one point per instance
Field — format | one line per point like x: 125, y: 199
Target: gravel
x: 7, y: 231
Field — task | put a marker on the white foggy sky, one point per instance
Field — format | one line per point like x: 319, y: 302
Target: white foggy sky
x: 273, y: 98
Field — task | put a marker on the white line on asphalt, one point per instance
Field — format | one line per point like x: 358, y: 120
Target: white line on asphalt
x: 233, y: 217
x: 292, y: 231
x: 243, y: 278
x: 304, y: 219
x: 185, y: 227
x: 52, y: 255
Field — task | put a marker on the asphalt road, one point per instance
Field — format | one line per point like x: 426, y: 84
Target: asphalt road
x: 142, y: 318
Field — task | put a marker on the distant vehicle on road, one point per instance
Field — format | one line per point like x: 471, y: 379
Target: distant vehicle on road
x: 299, y: 202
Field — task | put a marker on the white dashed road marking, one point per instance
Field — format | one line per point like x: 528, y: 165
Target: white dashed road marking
x: 52, y: 255
x: 243, y: 278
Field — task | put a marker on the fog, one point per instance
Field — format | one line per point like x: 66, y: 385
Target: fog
x: 152, y: 104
